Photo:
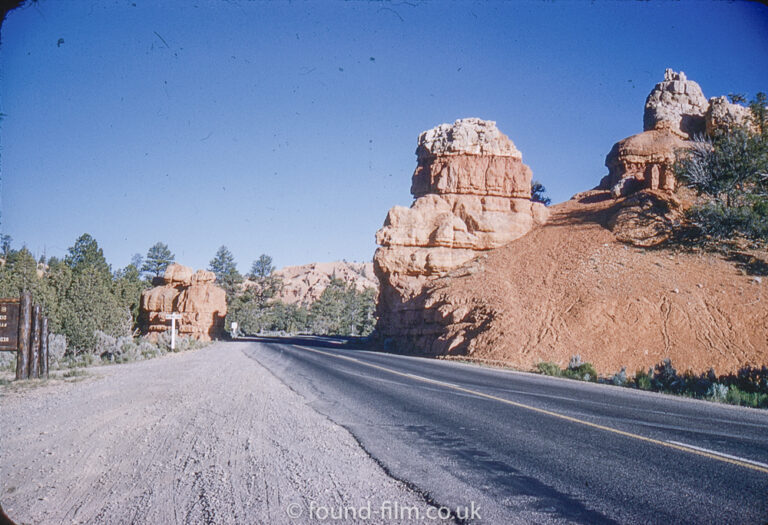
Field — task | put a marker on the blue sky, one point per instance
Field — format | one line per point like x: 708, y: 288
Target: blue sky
x: 290, y: 128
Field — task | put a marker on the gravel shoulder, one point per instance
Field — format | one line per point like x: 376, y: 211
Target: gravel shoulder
x: 201, y: 437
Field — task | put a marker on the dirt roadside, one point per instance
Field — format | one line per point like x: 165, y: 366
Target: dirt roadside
x: 200, y: 437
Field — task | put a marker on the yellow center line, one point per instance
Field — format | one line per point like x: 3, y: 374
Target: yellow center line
x: 547, y: 412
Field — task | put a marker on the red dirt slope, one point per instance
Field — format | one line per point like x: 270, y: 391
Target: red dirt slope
x: 569, y: 287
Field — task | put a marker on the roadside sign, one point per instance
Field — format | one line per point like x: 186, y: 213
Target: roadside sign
x: 9, y: 324
x: 173, y: 318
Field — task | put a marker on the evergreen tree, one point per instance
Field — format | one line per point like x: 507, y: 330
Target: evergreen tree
x: 266, y: 285
x: 88, y: 303
x: 342, y: 310
x: 262, y: 267
x: 158, y: 258
x: 5, y: 244
x: 127, y: 288
x: 538, y: 193
x: 224, y: 267
x: 85, y: 253
x: 730, y: 171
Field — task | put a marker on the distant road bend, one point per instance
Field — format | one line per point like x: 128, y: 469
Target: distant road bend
x: 527, y: 448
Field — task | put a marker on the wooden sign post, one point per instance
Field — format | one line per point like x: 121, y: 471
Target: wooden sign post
x: 173, y: 318
x: 34, y: 349
x: 25, y: 322
x: 9, y: 324
x: 44, y: 348
x: 26, y: 334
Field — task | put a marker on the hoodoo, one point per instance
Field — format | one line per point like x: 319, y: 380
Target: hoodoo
x: 676, y: 111
x: 472, y: 194
x: 201, y: 303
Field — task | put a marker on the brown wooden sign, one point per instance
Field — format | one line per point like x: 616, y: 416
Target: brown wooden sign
x: 9, y: 324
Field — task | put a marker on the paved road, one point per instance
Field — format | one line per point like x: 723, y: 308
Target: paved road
x: 528, y: 448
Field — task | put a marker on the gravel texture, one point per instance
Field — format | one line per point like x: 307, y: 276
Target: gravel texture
x: 200, y: 437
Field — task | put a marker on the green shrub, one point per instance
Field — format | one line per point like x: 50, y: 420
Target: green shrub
x: 727, y: 169
x: 665, y: 378
x: 737, y: 396
x: 548, y: 368
x: 583, y: 372
x: 620, y: 378
x: 7, y: 361
x: 580, y: 370
x: 717, y: 392
x: 643, y: 379
x: 716, y: 222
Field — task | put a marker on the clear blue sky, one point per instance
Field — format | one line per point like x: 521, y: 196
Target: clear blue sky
x: 290, y: 128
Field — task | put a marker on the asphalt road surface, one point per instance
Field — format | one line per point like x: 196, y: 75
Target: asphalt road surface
x: 524, y: 448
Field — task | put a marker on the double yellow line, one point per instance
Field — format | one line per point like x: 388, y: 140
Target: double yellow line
x: 676, y: 446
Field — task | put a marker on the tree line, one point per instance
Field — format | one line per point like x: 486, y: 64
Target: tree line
x: 82, y: 295
x: 253, y: 302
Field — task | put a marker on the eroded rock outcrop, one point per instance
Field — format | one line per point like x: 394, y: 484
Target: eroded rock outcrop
x: 676, y: 104
x: 202, y: 304
x: 676, y: 112
x: 472, y: 194
x: 572, y: 285
x: 722, y: 114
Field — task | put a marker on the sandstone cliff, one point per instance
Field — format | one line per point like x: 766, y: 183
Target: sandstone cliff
x: 202, y: 304
x: 472, y: 194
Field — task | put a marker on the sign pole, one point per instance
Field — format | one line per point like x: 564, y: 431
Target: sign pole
x: 173, y: 317
x: 34, y: 348
x: 44, y: 348
x: 25, y: 320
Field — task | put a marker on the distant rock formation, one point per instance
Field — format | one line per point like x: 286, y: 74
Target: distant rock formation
x: 304, y: 284
x: 675, y: 112
x: 472, y: 194
x: 203, y: 305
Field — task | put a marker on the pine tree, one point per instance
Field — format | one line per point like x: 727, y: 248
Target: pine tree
x: 85, y: 253
x: 266, y: 284
x: 538, y: 192
x: 158, y: 258
x: 730, y: 171
x: 224, y: 267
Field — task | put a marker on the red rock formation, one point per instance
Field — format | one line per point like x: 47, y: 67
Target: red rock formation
x: 472, y: 194
x: 203, y: 305
x: 643, y: 161
x: 675, y: 112
x: 676, y: 104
